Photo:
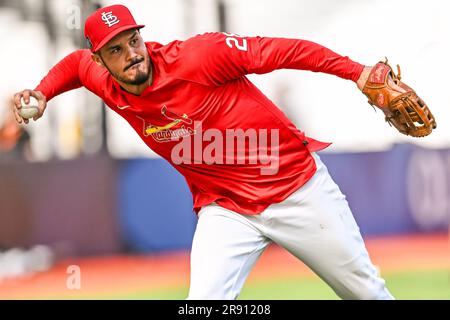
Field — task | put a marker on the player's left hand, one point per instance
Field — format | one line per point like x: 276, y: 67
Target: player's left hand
x: 402, y: 107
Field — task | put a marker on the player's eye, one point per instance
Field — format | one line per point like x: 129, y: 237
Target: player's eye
x: 133, y: 41
x: 115, y: 50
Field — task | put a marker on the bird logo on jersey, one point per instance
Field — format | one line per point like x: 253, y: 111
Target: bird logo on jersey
x: 168, y: 132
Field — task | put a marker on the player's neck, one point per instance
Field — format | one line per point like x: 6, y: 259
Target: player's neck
x: 138, y: 89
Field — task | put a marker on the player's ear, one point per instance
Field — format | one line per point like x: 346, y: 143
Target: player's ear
x: 97, y: 59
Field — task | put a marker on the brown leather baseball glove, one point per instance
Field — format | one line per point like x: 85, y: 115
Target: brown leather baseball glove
x: 400, y: 104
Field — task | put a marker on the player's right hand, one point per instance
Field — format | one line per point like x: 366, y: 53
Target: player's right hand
x: 25, y: 94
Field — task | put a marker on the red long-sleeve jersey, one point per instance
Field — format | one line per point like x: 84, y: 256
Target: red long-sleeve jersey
x: 200, y: 95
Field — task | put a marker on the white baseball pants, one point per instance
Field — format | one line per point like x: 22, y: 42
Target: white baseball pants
x: 315, y: 224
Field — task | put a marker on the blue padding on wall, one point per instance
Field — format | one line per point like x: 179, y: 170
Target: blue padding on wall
x: 403, y: 190
x: 374, y: 184
x: 155, y: 206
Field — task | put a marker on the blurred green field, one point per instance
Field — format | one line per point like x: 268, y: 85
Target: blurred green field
x: 420, y: 285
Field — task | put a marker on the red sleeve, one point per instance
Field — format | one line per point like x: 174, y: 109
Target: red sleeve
x: 75, y: 70
x: 216, y: 58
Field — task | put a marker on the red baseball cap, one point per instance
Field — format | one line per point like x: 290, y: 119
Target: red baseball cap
x: 105, y: 23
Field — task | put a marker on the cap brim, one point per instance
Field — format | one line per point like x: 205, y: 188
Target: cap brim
x: 115, y: 33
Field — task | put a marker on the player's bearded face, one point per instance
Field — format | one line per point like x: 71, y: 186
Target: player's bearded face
x: 126, y: 58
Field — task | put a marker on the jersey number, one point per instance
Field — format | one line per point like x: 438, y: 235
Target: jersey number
x: 232, y: 40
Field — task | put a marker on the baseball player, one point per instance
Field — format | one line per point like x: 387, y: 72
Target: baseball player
x: 182, y: 97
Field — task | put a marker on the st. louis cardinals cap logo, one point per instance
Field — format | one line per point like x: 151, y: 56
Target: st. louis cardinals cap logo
x: 109, y: 19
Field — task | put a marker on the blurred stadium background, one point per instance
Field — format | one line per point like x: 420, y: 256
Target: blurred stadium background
x: 79, y: 188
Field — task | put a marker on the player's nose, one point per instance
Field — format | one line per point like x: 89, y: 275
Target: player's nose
x: 131, y: 54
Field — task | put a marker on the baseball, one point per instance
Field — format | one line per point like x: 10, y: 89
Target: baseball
x: 29, y: 110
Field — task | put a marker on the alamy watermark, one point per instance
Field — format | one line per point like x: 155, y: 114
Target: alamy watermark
x: 258, y: 147
x: 73, y: 281
x: 73, y: 20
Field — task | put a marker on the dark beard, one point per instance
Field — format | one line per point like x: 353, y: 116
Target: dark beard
x: 140, y: 78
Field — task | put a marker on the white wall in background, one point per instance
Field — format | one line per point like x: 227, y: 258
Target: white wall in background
x: 412, y: 33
